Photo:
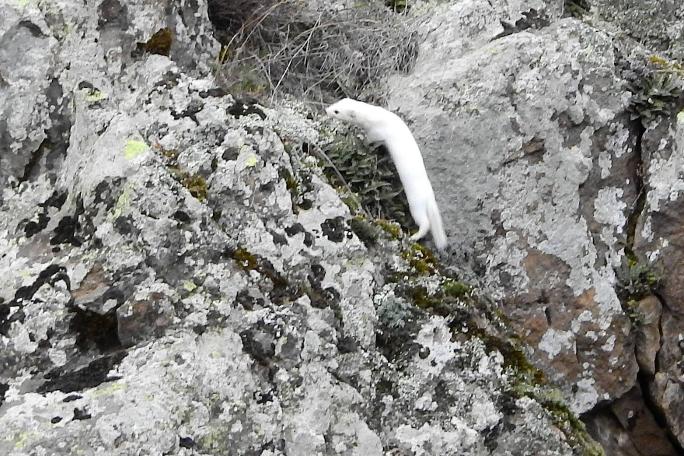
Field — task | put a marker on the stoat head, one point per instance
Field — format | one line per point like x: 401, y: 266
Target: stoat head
x: 347, y: 110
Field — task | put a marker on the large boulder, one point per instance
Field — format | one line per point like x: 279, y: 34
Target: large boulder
x: 176, y: 277
x: 555, y: 148
x: 527, y: 139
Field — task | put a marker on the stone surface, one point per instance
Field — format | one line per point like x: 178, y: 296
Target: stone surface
x: 543, y: 170
x: 528, y: 139
x: 628, y: 428
x: 659, y: 241
x: 177, y: 277
x: 657, y: 24
x: 648, y: 333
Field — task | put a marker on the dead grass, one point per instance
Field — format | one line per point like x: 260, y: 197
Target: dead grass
x: 272, y: 47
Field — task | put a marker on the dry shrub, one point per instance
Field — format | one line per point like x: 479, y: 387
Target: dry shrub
x: 281, y: 46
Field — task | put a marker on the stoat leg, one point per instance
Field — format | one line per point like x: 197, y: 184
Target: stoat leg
x: 423, y: 227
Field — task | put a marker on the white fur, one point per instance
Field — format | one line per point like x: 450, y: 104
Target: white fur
x: 384, y: 127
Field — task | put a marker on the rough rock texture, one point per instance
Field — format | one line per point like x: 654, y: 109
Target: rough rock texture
x: 177, y: 278
x: 544, y: 170
x: 659, y: 239
x: 530, y: 133
x: 659, y: 24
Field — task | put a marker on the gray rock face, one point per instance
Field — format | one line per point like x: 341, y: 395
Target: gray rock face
x: 659, y: 240
x: 659, y: 25
x: 26, y: 46
x: 528, y: 137
x: 177, y: 278
x: 542, y: 171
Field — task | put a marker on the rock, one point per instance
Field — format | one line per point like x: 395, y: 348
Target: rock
x: 658, y: 244
x: 177, y: 274
x: 656, y: 25
x: 528, y: 140
x: 628, y: 428
x: 27, y: 128
x: 648, y: 333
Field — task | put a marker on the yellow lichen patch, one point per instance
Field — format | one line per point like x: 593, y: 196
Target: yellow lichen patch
x: 251, y: 161
x: 680, y: 117
x: 657, y: 60
x: 21, y: 439
x: 189, y: 285
x: 134, y: 148
x: 95, y: 96
x: 160, y: 43
x: 108, y: 389
x: 122, y: 202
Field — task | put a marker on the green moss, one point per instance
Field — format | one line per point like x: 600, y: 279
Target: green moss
x: 636, y: 280
x: 666, y: 65
x: 576, y: 8
x: 574, y: 430
x: 244, y: 259
x: 366, y: 232
x: 421, y: 259
x: 524, y: 371
x: 196, y: 185
x: 169, y: 154
x: 390, y: 227
x: 160, y: 43
x: 456, y: 289
x: 350, y: 200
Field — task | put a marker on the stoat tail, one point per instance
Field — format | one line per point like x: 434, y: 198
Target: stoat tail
x: 438, y: 234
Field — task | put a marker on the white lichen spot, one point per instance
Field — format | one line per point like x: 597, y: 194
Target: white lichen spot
x: 425, y: 403
x: 553, y: 342
x: 609, y: 208
x: 609, y: 345
x: 484, y: 415
x: 605, y: 163
x: 586, y: 396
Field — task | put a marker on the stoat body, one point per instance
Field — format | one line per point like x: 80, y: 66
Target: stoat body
x: 384, y: 127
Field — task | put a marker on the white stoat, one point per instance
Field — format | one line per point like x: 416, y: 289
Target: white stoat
x: 384, y: 127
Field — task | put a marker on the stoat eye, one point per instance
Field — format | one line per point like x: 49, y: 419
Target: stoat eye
x: 336, y: 111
